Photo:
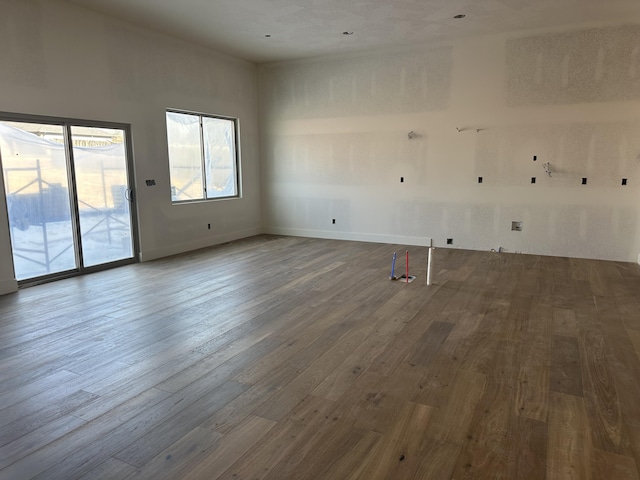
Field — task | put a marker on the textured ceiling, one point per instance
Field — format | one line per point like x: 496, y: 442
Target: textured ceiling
x: 307, y: 28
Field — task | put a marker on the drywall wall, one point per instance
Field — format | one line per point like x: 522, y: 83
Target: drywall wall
x: 335, y: 144
x: 61, y: 60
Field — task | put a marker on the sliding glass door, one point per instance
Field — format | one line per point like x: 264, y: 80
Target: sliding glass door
x: 68, y: 197
x: 37, y: 188
x: 103, y: 197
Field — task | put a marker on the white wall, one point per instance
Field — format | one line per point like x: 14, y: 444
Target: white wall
x: 65, y: 61
x: 335, y: 144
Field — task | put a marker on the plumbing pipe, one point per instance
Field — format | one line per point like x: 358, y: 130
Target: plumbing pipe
x: 393, y: 267
x: 407, y: 266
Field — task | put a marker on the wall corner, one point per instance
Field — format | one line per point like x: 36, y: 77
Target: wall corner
x: 8, y: 286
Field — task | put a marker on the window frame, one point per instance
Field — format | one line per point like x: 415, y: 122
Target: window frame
x: 236, y: 158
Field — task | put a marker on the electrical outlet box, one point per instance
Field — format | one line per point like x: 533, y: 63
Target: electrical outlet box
x: 516, y: 226
x: 449, y: 241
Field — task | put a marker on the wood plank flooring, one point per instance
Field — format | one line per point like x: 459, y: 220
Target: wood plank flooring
x: 290, y: 358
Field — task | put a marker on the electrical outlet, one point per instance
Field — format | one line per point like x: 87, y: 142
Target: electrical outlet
x: 479, y: 179
x: 401, y: 179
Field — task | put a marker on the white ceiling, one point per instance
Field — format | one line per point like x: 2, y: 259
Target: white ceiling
x: 307, y: 28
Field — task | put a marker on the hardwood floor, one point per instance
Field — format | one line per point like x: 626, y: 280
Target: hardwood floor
x: 291, y: 358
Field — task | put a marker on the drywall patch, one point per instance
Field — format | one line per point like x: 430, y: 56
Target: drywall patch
x: 604, y: 152
x: 480, y: 222
x: 592, y: 65
x: 410, y: 218
x: 353, y: 159
x: 22, y: 53
x: 401, y: 82
x: 310, y: 213
x: 587, y: 230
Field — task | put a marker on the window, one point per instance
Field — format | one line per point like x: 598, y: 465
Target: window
x: 203, y: 158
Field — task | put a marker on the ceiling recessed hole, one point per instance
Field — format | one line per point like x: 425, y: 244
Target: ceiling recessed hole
x: 268, y: 36
x: 535, y: 157
x: 624, y: 181
x: 347, y: 33
x: 459, y: 16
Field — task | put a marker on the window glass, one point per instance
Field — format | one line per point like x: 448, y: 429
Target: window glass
x: 220, y: 157
x: 202, y: 156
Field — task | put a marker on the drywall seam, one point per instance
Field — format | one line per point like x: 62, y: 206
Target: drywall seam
x: 351, y: 236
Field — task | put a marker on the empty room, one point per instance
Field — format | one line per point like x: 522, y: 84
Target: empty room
x: 312, y: 239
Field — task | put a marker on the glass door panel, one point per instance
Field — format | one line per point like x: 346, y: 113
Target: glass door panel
x: 36, y: 180
x: 103, y: 194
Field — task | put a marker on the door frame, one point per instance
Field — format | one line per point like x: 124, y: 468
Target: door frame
x: 66, y: 124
